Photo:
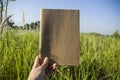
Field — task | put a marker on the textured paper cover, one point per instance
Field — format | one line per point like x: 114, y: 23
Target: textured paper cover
x: 59, y: 36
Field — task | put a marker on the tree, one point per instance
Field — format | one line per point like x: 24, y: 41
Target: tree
x: 35, y: 25
x: 10, y: 23
x: 23, y: 19
x: 38, y: 24
x: 4, y: 18
x: 32, y: 25
x: 27, y: 26
x: 1, y: 10
x: 116, y: 34
x: 6, y: 8
x: 3, y: 22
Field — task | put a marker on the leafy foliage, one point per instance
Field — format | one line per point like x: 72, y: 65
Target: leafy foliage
x: 116, y: 34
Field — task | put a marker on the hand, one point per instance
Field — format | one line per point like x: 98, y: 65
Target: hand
x: 41, y: 71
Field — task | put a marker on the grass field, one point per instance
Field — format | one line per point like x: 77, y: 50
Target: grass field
x: 99, y: 57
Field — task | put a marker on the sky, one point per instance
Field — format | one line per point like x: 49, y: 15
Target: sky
x: 101, y: 16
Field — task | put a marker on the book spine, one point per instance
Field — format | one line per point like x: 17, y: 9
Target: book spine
x: 40, y: 34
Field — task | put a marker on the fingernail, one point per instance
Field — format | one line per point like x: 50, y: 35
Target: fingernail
x: 54, y: 66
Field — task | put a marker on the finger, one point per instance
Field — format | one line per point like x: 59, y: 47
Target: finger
x: 45, y: 63
x: 50, y: 70
x: 36, y: 62
x: 54, y: 66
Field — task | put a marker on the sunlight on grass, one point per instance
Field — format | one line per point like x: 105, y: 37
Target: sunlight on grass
x: 99, y: 57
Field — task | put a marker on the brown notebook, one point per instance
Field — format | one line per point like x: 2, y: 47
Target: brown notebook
x: 59, y: 36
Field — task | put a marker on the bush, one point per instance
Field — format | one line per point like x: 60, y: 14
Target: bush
x: 116, y: 34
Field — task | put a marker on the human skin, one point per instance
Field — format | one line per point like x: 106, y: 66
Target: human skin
x: 41, y: 71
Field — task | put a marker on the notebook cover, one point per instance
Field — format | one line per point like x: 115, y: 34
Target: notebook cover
x: 59, y: 36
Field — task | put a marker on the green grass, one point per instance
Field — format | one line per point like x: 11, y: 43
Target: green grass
x: 99, y: 57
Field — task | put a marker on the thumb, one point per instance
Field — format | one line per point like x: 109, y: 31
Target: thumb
x: 36, y: 62
x: 45, y: 63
